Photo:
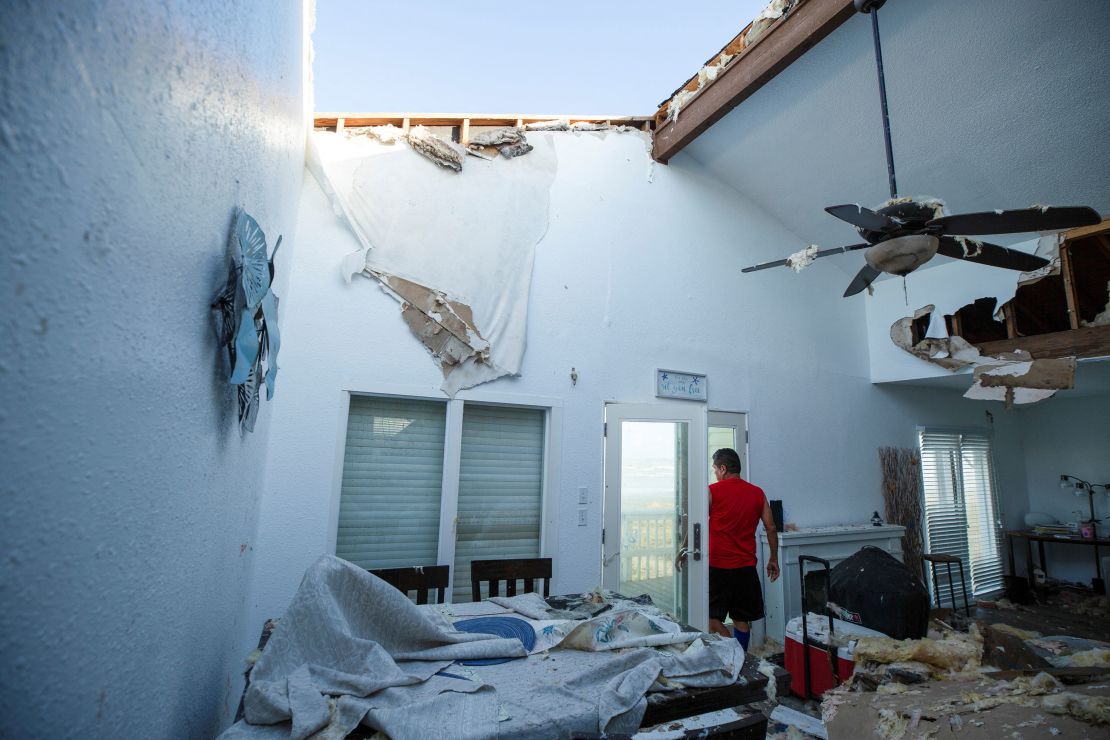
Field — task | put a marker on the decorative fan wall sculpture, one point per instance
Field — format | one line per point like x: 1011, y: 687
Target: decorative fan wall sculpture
x: 245, y: 312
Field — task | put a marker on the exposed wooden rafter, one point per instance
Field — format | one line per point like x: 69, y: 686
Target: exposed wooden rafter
x: 777, y: 48
x: 467, y: 120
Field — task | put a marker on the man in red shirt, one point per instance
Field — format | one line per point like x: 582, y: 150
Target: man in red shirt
x: 735, y: 509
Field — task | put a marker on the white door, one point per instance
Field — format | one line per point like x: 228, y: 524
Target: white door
x: 655, y: 496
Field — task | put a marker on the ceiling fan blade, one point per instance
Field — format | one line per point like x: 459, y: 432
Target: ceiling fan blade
x: 986, y: 253
x: 1016, y: 221
x: 864, y: 218
x: 816, y: 255
x: 766, y: 265
x: 840, y: 250
x: 863, y: 278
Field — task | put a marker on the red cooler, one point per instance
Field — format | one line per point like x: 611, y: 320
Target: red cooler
x: 821, y: 678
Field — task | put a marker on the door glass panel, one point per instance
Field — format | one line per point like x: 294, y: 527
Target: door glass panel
x: 654, y: 494
x: 720, y: 437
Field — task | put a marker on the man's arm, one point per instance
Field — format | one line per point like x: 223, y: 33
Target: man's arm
x: 772, y: 541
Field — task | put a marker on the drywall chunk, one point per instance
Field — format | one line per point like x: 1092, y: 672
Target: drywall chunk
x: 803, y: 258
x: 487, y: 153
x: 445, y: 327
x: 510, y: 142
x: 559, y: 124
x: 387, y: 134
x: 1024, y: 372
x: 444, y: 153
x: 1016, y: 378
x: 497, y: 137
x: 508, y: 151
x: 589, y: 126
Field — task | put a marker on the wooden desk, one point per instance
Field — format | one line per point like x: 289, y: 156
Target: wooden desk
x: 1040, y: 539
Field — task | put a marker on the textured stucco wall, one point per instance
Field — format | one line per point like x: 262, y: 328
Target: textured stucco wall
x: 630, y: 276
x: 128, y: 133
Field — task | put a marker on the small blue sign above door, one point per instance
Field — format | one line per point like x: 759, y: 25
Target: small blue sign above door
x: 687, y: 386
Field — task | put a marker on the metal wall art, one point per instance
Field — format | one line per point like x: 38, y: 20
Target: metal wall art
x: 245, y: 312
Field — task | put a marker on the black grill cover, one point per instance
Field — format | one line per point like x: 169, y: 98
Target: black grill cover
x: 876, y: 590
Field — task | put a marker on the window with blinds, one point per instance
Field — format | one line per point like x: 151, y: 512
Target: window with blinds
x: 391, y: 502
x: 392, y: 481
x: 961, y: 508
x: 500, y: 488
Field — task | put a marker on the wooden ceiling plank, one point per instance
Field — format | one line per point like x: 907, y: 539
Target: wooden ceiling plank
x: 1083, y: 231
x: 1091, y: 341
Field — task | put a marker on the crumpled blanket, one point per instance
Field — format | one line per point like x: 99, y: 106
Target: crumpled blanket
x: 349, y: 634
x: 353, y: 650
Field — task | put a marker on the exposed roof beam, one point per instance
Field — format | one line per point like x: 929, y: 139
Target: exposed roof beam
x: 784, y: 42
x: 330, y: 120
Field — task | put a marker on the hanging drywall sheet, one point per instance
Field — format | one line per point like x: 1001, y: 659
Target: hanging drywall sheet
x: 466, y: 239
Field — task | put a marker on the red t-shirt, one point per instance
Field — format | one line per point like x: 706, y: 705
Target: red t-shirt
x: 734, y: 513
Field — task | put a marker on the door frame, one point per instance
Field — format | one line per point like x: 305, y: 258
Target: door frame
x: 695, y: 415
x: 741, y: 448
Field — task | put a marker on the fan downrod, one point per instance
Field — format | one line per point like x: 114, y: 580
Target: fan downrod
x: 866, y: 6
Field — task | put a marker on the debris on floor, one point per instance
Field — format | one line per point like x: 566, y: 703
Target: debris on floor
x: 996, y: 680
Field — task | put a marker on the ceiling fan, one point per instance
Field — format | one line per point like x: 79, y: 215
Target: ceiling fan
x: 905, y: 233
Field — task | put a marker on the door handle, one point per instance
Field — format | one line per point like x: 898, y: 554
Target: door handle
x: 696, y: 552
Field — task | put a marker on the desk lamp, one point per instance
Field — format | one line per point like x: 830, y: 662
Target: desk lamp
x: 1081, y: 486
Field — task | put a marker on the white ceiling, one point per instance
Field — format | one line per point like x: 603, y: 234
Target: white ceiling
x: 993, y: 104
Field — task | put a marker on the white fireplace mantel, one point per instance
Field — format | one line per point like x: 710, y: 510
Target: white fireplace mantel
x: 783, y: 598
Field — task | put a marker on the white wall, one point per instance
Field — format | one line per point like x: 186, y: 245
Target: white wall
x: 1072, y: 436
x: 129, y: 131
x: 631, y: 276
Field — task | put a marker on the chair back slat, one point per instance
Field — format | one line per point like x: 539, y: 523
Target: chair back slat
x: 510, y: 571
x: 422, y: 580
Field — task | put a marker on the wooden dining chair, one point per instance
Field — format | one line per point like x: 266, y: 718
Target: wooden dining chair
x: 421, y: 579
x: 510, y: 571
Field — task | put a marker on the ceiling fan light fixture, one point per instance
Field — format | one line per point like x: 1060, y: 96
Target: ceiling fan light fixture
x: 902, y: 254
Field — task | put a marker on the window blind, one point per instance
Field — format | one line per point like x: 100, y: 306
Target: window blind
x: 392, y: 482
x: 961, y: 509
x: 500, y: 488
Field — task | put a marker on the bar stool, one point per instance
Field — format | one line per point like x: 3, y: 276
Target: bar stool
x: 948, y: 561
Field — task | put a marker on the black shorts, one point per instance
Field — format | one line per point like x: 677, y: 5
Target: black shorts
x: 735, y: 592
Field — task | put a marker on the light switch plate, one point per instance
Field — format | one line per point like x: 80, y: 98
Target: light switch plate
x: 581, y: 517
x: 583, y: 495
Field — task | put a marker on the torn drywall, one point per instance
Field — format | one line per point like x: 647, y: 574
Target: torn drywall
x: 1016, y: 378
x: 444, y: 153
x: 1013, y: 377
x: 559, y: 124
x: 445, y: 327
x: 455, y: 251
x: 951, y: 353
